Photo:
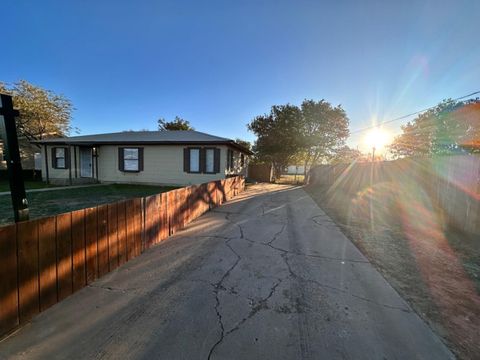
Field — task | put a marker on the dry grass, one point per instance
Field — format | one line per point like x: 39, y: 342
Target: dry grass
x: 435, y: 267
x: 291, y: 179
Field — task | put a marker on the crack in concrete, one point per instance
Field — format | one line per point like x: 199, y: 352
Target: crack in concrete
x: 110, y: 288
x: 216, y: 288
x: 406, y: 310
x: 325, y: 220
x: 269, y: 244
x: 284, y: 255
x: 301, y: 278
x: 284, y: 226
x: 260, y: 305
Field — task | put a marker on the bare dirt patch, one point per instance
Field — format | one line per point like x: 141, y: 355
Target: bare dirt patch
x: 435, y: 267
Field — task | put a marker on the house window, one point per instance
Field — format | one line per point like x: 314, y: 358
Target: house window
x: 201, y: 160
x: 130, y: 159
x: 209, y: 160
x: 59, y: 158
x: 242, y: 160
x: 194, y: 160
x: 230, y: 159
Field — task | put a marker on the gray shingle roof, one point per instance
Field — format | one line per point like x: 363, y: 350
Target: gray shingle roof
x: 144, y: 137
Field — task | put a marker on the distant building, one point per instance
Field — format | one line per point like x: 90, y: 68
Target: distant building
x: 295, y: 169
x: 30, y: 155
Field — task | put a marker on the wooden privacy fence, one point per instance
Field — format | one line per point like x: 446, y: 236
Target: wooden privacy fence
x: 451, y: 182
x: 43, y: 261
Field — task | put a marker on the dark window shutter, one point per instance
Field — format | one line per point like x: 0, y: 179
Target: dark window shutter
x: 186, y: 160
x: 67, y: 158
x: 121, y: 163
x: 202, y: 163
x: 140, y: 159
x: 216, y: 161
x: 54, y: 158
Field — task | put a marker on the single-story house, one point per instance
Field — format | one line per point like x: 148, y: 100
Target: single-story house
x: 142, y: 157
x: 29, y: 155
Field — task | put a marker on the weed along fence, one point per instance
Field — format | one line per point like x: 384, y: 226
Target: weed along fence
x: 45, y: 260
x: 449, y: 185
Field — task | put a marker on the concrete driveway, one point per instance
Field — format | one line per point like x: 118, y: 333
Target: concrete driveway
x: 267, y: 276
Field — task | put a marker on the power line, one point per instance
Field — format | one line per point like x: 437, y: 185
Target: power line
x: 411, y: 114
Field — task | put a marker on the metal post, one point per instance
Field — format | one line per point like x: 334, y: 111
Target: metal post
x: 12, y: 152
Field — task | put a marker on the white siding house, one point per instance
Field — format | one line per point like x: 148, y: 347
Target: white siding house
x: 147, y: 157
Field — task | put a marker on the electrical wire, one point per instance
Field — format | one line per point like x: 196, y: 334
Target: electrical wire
x: 411, y: 114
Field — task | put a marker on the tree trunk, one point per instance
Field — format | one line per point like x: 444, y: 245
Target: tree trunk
x: 305, y: 180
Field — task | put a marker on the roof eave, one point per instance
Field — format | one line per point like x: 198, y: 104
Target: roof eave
x: 98, y: 143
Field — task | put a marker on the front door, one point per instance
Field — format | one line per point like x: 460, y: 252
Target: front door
x: 85, y: 162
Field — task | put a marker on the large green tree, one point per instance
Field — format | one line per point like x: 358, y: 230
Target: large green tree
x: 451, y: 126
x: 346, y: 155
x: 176, y: 124
x: 309, y: 134
x: 324, y: 130
x: 278, y: 135
x: 42, y: 112
x: 246, y: 144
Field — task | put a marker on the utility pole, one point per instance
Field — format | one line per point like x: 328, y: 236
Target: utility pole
x: 12, y: 155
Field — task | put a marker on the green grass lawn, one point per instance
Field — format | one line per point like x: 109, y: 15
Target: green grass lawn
x: 59, y: 201
x: 29, y: 184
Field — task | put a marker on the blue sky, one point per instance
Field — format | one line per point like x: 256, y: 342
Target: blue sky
x: 218, y: 64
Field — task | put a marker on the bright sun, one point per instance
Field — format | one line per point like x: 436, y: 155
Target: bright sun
x: 377, y: 138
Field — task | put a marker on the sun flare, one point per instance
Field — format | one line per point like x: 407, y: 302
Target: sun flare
x: 377, y: 138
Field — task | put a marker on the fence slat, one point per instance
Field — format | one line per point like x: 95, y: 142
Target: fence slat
x: 163, y: 217
x: 138, y: 226
x: 64, y: 255
x: 112, y: 237
x: 28, y: 294
x: 150, y: 224
x: 43, y: 261
x: 156, y: 219
x: 91, y: 260
x: 78, y: 249
x: 47, y: 257
x: 102, y: 233
x: 8, y: 275
x: 130, y: 228
x: 122, y: 235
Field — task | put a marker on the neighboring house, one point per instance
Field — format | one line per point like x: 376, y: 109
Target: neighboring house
x: 29, y: 155
x: 142, y: 157
x: 295, y: 169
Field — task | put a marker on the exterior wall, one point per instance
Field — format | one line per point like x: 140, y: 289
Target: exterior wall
x: 162, y: 164
x: 65, y: 176
x: 237, y: 168
x: 27, y: 154
x: 56, y: 176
